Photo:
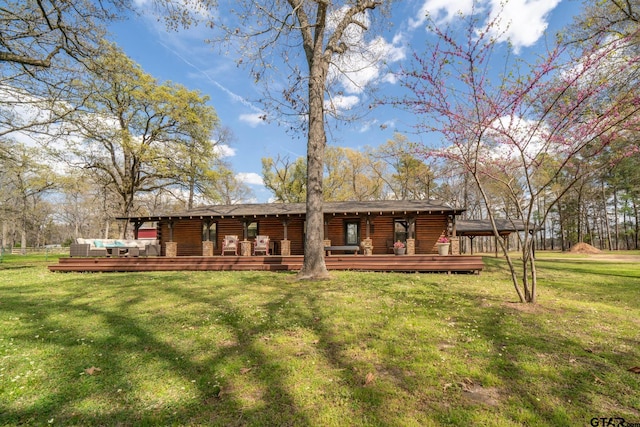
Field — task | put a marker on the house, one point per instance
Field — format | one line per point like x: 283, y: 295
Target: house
x: 373, y: 226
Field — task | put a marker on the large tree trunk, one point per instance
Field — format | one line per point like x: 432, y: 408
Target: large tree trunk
x: 314, y: 267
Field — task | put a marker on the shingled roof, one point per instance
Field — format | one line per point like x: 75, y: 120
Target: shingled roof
x: 299, y: 209
x: 482, y: 227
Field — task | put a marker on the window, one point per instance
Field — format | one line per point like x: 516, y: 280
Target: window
x: 252, y: 230
x: 352, y: 233
x: 210, y: 234
x: 403, y: 230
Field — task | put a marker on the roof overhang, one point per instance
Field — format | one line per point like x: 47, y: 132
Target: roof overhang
x: 287, y: 210
x: 483, y: 227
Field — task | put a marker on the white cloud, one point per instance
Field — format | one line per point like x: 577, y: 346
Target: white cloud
x: 250, y: 178
x: 341, y: 102
x: 441, y: 11
x: 253, y: 119
x: 526, y: 20
x: 525, y: 138
x: 364, y: 60
x: 367, y: 125
x: 223, y: 150
x: 522, y: 22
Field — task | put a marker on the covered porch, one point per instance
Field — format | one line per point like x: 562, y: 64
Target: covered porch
x: 357, y: 236
x: 367, y: 228
x: 383, y: 263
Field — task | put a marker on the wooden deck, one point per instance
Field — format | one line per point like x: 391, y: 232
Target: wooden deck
x: 405, y: 263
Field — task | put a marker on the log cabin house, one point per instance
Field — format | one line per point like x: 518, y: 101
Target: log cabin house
x: 193, y: 240
x: 372, y: 225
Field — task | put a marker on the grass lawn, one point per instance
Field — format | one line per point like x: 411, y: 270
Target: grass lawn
x: 259, y: 349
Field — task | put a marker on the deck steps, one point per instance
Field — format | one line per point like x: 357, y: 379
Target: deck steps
x: 406, y: 263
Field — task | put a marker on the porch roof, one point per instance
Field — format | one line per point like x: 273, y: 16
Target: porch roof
x: 380, y: 207
x: 482, y: 227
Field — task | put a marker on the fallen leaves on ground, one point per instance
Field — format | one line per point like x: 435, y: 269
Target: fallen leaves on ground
x: 92, y: 370
x: 369, y: 378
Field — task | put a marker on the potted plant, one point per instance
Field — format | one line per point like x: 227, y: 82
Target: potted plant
x: 398, y: 248
x: 443, y: 246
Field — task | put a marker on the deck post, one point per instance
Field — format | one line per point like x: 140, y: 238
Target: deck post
x: 455, y: 245
x: 411, y: 246
x: 367, y: 247
x: 245, y: 248
x: 327, y: 242
x: 285, y: 247
x: 207, y: 248
x: 171, y: 249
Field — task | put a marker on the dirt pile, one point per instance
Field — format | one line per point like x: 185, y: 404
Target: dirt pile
x: 584, y: 248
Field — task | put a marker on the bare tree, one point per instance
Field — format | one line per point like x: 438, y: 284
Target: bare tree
x: 317, y: 41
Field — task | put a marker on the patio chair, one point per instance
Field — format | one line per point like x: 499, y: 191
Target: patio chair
x: 261, y: 244
x: 230, y: 244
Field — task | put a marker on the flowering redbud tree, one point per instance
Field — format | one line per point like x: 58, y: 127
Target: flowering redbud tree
x: 523, y: 130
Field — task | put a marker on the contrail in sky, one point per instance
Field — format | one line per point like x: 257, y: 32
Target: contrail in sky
x: 232, y: 95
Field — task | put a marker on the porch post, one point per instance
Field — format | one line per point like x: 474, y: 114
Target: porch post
x: 367, y: 242
x: 207, y: 245
x: 326, y: 241
x: 136, y: 228
x: 171, y: 247
x: 285, y: 247
x: 411, y: 238
x: 285, y: 244
x: 455, y: 245
x: 326, y: 228
x: 245, y: 248
x: 245, y: 245
x: 207, y: 248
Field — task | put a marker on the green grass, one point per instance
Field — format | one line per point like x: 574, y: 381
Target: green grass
x: 258, y: 349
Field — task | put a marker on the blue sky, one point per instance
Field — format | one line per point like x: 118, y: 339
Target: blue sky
x: 183, y: 57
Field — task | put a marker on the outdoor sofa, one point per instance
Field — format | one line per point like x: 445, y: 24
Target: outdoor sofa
x: 98, y: 247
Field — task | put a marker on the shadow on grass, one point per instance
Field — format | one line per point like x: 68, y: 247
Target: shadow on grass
x: 175, y: 351
x: 112, y: 395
